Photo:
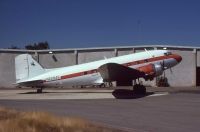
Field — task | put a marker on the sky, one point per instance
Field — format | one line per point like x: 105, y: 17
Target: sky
x: 99, y: 23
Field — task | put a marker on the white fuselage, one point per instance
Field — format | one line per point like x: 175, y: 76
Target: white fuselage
x: 87, y: 73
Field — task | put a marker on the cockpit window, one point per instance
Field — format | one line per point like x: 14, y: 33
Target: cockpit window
x: 167, y: 53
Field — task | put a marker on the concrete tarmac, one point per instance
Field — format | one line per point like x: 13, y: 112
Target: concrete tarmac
x: 30, y: 94
x: 177, y: 111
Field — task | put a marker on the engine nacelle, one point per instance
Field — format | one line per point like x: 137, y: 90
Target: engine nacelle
x: 152, y: 69
x: 158, y: 69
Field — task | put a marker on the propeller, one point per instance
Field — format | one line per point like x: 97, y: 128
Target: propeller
x: 164, y: 67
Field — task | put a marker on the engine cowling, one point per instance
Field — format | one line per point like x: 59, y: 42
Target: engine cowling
x: 152, y: 69
x: 158, y: 69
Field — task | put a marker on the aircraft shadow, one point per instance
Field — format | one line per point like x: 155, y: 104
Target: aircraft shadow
x: 128, y: 94
x: 118, y: 93
x: 34, y: 92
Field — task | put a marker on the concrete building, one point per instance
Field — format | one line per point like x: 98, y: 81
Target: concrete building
x: 187, y: 73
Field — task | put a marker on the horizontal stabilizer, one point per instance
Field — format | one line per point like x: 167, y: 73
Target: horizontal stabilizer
x: 34, y: 83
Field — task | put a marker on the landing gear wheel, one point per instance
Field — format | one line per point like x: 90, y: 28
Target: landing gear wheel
x: 139, y: 89
x: 39, y: 90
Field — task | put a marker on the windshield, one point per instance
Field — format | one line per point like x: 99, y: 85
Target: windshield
x: 167, y: 53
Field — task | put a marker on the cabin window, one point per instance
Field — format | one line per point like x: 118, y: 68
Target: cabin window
x: 167, y: 53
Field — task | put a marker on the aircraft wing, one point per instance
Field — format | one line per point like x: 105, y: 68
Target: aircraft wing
x: 116, y: 72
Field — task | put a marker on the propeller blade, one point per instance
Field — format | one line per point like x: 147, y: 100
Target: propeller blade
x: 163, y: 65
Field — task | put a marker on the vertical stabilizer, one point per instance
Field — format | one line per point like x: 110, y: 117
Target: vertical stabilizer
x: 26, y: 67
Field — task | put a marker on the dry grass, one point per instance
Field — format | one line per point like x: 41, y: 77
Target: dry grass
x: 15, y: 121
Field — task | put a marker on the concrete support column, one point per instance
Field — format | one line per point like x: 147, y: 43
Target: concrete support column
x: 133, y: 50
x: 116, y: 52
x: 36, y: 56
x: 195, y: 61
x: 76, y: 56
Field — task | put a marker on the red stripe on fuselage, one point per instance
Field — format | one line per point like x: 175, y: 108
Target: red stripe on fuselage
x: 78, y: 74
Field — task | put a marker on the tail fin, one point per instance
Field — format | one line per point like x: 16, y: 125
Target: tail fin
x: 26, y: 67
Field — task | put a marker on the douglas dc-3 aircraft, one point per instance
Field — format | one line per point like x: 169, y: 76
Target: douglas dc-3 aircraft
x: 123, y: 69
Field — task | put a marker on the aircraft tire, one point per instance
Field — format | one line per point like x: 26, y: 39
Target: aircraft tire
x: 103, y: 85
x: 139, y: 89
x: 110, y: 84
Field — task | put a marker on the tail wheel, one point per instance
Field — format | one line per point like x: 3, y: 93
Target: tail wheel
x: 103, y: 85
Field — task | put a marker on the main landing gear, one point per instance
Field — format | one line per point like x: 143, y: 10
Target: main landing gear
x: 39, y: 90
x: 139, y: 89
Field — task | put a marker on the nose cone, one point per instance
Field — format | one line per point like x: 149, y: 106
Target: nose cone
x: 177, y: 57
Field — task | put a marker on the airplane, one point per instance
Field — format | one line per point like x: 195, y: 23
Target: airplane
x: 122, y: 69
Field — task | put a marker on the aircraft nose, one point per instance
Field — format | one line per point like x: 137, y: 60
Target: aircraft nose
x: 177, y: 57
